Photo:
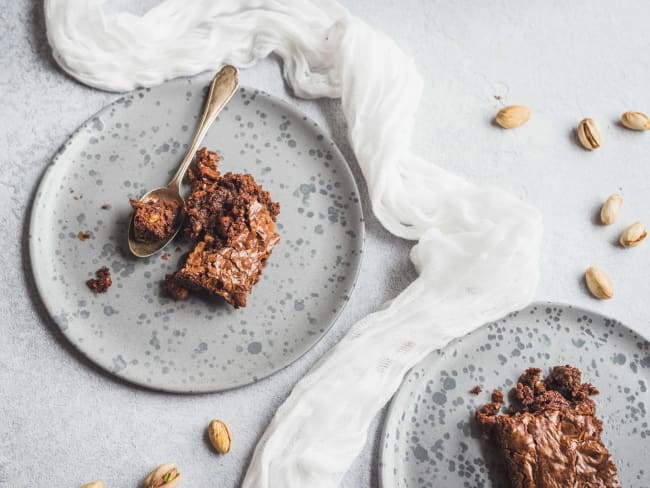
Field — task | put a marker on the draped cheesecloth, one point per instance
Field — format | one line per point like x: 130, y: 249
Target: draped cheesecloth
x: 477, y: 248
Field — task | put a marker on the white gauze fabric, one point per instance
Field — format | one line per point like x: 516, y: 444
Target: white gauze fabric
x: 477, y: 249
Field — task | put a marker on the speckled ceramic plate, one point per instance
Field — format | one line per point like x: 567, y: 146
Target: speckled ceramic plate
x: 200, y: 344
x: 430, y: 439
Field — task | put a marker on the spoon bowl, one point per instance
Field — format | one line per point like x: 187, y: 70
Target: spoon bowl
x: 222, y: 88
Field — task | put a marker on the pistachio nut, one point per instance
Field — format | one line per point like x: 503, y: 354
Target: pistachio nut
x: 513, y: 116
x: 164, y: 476
x: 589, y: 134
x: 633, y: 235
x: 599, y: 283
x: 610, y: 209
x: 219, y: 436
x: 635, y: 121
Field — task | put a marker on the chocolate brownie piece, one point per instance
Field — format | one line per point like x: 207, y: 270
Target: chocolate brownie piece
x: 551, y: 437
x: 102, y: 281
x: 154, y: 219
x: 233, y: 220
x: 218, y: 205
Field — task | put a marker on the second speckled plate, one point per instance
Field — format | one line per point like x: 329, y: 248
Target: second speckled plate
x: 430, y: 439
x: 200, y: 344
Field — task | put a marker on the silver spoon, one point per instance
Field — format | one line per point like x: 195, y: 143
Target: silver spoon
x: 223, y: 87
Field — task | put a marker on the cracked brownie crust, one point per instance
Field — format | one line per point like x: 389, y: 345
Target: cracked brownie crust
x: 232, y: 218
x: 550, y: 437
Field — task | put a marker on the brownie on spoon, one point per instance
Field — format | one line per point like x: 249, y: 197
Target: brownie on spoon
x: 154, y: 219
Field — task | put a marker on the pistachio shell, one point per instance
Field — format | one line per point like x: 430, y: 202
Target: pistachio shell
x: 164, y: 476
x: 610, y: 210
x: 635, y: 121
x: 93, y: 484
x: 599, y: 283
x: 513, y: 116
x: 633, y: 235
x: 589, y: 134
x: 219, y: 436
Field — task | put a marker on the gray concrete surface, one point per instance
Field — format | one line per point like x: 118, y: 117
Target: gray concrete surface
x: 64, y: 422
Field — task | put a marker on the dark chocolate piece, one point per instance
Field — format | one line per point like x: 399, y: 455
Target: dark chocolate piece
x: 102, y: 281
x: 551, y: 437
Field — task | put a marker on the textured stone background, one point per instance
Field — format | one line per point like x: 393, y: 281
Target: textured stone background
x: 64, y: 422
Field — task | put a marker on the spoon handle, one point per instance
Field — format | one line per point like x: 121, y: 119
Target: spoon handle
x: 223, y: 87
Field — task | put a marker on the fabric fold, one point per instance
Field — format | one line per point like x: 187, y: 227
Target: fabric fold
x: 477, y: 250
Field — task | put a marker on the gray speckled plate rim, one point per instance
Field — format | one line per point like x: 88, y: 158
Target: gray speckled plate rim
x: 40, y: 283
x: 397, y: 401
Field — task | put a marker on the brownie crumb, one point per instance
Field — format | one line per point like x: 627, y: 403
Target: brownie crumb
x: 102, y: 281
x: 172, y: 289
x: 476, y: 390
x: 497, y: 396
x: 164, y: 257
x: 106, y: 206
x: 82, y: 236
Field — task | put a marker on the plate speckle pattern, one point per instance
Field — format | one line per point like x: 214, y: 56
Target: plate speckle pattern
x: 200, y: 344
x: 430, y: 438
